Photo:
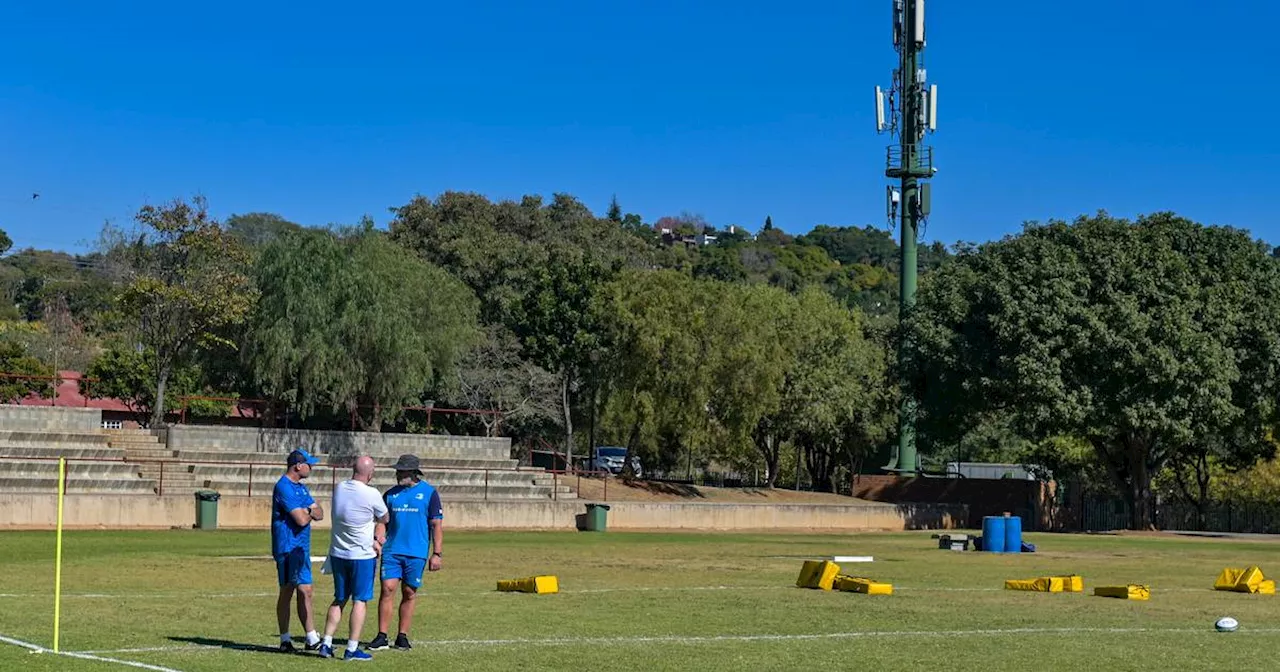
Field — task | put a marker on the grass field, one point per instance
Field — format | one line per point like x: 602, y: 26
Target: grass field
x: 175, y: 601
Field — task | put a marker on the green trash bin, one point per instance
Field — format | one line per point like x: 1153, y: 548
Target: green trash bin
x: 207, y: 509
x: 597, y: 517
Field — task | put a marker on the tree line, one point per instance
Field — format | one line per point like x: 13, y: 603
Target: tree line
x: 1138, y: 356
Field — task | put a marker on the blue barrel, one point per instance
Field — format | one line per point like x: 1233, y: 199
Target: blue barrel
x: 993, y: 534
x: 1013, y: 534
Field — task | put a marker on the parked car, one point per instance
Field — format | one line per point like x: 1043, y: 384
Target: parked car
x: 610, y: 458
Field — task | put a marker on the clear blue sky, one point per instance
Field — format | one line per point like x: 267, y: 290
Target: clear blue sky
x: 735, y: 110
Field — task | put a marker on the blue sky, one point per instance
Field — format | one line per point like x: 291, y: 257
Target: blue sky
x: 735, y: 110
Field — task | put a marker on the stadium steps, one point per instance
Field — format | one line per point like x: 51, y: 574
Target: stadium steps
x: 82, y: 477
x: 145, y: 448
x: 129, y: 462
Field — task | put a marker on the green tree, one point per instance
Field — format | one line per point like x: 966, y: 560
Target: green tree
x: 5, y: 242
x: 128, y: 375
x: 660, y: 370
x: 615, y: 211
x: 257, y: 229
x: 558, y: 324
x: 186, y: 279
x: 749, y: 353
x: 834, y: 403
x: 24, y: 374
x: 1146, y: 339
x: 370, y: 326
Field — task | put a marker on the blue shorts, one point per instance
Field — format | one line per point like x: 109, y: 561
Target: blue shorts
x: 406, y: 568
x: 294, y: 567
x: 353, y: 579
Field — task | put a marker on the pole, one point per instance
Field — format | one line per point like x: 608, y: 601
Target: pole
x: 57, y: 561
x: 912, y: 106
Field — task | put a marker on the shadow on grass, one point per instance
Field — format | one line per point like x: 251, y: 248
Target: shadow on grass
x: 234, y: 646
x: 666, y: 488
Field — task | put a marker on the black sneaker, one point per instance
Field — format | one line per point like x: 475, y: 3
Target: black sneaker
x: 287, y: 647
x: 402, y: 642
x: 379, y: 643
x: 316, y: 646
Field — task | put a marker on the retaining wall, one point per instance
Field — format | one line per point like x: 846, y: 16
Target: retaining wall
x: 32, y: 511
x: 49, y: 419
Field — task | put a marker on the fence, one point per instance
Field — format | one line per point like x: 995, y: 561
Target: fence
x: 1098, y: 513
x: 271, y: 472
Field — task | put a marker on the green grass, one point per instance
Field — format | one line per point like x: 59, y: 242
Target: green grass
x: 653, y: 601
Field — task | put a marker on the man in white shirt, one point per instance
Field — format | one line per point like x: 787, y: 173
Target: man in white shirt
x: 353, y: 553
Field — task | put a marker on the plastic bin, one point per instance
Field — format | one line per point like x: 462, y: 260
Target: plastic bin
x: 207, y: 509
x: 597, y: 517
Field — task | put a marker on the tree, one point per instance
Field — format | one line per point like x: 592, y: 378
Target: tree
x: 493, y: 377
x: 187, y: 279
x: 128, y: 375
x: 5, y: 242
x: 661, y: 369
x: 768, y: 223
x: 24, y: 374
x: 1145, y: 339
x: 834, y: 403
x: 370, y: 326
x: 557, y: 322
x: 257, y: 229
x: 615, y: 211
x: 749, y: 351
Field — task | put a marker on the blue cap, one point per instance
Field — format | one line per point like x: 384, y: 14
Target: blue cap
x: 299, y: 456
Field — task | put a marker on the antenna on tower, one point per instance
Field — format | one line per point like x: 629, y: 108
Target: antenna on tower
x: 879, y: 110
x: 920, y: 23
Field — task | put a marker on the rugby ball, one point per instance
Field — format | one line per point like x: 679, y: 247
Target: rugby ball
x: 1226, y: 624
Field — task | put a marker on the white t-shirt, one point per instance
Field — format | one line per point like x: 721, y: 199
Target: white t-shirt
x: 356, y: 508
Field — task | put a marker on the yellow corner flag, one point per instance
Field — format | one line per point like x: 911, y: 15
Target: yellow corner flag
x: 57, y: 562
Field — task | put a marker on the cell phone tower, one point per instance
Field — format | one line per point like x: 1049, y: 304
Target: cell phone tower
x: 912, y: 111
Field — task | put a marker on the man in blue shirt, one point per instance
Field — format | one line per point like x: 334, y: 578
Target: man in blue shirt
x: 414, y: 507
x: 292, y: 510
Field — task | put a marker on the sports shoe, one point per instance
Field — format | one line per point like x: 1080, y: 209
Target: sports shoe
x: 287, y: 647
x: 379, y: 643
x: 315, y: 647
x: 402, y: 642
x: 357, y: 655
x: 326, y: 651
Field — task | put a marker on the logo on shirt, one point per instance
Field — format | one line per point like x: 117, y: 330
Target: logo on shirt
x: 419, y: 496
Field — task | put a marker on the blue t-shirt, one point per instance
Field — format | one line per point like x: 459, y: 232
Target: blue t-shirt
x: 410, y: 508
x: 285, y: 534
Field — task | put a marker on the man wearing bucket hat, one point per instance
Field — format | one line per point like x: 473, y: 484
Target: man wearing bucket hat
x: 414, y: 509
x: 292, y: 510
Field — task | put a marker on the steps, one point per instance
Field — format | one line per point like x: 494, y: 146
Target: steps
x: 124, y: 461
x: 145, y: 448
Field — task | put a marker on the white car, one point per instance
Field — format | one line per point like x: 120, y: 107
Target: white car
x: 610, y: 459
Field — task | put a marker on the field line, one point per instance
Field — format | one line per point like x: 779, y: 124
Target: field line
x: 84, y: 655
x: 705, y: 639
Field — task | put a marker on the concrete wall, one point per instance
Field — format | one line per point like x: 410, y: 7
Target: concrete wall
x: 334, y: 444
x: 25, y: 511
x: 49, y: 419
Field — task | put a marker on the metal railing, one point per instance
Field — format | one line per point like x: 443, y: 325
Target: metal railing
x: 558, y: 476
x: 57, y: 381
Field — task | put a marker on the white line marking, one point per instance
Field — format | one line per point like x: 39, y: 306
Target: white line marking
x: 84, y: 655
x: 582, y: 591
x: 684, y: 639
